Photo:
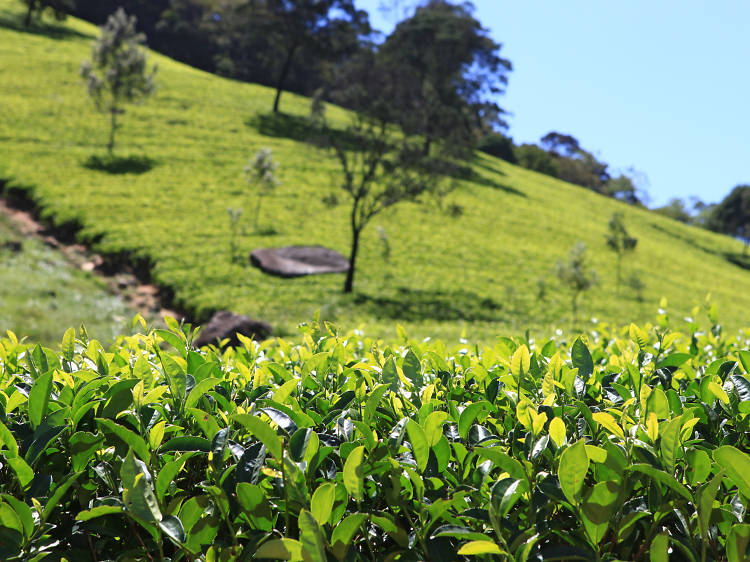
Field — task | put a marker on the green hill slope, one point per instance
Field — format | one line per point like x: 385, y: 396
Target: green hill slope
x: 188, y: 146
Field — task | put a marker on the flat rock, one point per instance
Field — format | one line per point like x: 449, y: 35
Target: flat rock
x: 226, y: 324
x: 295, y: 261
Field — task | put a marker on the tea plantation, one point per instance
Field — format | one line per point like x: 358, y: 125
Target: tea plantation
x: 178, y: 166
x: 631, y: 445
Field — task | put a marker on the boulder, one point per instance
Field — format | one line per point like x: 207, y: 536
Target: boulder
x: 225, y: 324
x: 295, y: 261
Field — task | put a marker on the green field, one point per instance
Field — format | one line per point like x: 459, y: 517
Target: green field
x: 182, y: 158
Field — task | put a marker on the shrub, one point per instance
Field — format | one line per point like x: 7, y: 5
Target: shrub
x: 498, y: 145
x: 623, y: 447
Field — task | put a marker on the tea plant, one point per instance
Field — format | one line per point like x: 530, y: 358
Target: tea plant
x: 629, y: 446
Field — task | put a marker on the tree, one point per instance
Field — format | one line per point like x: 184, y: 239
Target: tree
x: 576, y: 275
x: 58, y: 8
x: 619, y: 241
x: 531, y: 157
x: 117, y: 73
x: 379, y: 169
x: 732, y: 215
x: 268, y: 36
x: 676, y: 209
x: 498, y: 145
x: 559, y: 144
x: 260, y: 172
x: 445, y: 72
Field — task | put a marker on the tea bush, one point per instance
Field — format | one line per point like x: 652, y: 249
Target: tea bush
x: 628, y: 445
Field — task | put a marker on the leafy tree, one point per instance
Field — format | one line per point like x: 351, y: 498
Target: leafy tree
x: 263, y: 38
x: 560, y: 144
x: 576, y: 274
x: 260, y: 173
x: 622, y: 188
x: 676, y: 209
x: 584, y: 170
x: 498, y: 145
x: 117, y: 73
x: 732, y: 215
x: 445, y: 72
x: 531, y: 157
x: 59, y: 8
x: 619, y: 241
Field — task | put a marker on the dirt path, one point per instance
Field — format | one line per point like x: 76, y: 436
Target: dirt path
x: 141, y: 297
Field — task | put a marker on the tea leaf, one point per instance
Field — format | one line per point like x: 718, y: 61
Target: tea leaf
x: 354, y: 472
x: 474, y: 548
x: 574, y: 464
x: 261, y: 431
x: 736, y: 464
x: 321, y: 504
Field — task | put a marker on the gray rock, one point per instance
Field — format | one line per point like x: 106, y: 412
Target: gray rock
x: 225, y: 324
x: 295, y: 261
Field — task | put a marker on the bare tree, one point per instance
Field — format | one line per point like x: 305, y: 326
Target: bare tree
x: 378, y: 169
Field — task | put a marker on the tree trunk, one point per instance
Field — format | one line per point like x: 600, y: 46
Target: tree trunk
x: 112, y: 129
x: 619, y: 278
x: 282, y: 76
x: 349, y: 283
x: 426, y: 146
x: 29, y: 12
x: 257, y: 213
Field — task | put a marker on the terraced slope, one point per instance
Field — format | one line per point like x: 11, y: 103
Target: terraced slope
x: 183, y: 155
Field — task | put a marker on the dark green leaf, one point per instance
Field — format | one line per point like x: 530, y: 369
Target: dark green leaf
x: 581, y: 358
x: 172, y: 527
x: 186, y: 443
x: 298, y: 443
x: 39, y: 399
x: 132, y: 439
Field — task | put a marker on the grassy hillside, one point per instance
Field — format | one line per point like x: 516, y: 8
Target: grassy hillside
x: 183, y: 155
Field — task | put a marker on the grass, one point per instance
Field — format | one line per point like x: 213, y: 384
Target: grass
x: 41, y: 292
x: 179, y: 166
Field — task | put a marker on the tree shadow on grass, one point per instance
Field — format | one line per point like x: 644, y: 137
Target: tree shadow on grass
x: 117, y: 165
x: 295, y: 127
x: 467, y: 172
x: 15, y: 22
x: 416, y: 304
x: 683, y: 238
x: 740, y: 259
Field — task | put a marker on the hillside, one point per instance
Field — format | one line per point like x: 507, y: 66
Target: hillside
x: 41, y: 290
x: 183, y: 154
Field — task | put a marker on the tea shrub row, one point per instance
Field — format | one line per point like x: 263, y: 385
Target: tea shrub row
x: 628, y: 445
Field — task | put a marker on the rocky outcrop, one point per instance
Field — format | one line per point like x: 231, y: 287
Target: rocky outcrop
x: 295, y: 261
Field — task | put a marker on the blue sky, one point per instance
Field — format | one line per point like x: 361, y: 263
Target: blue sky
x: 660, y: 85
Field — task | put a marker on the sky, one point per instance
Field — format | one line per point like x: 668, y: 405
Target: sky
x: 659, y: 85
